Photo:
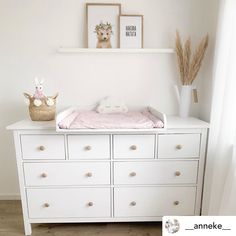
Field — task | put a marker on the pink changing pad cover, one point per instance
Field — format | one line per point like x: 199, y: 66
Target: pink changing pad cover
x: 94, y: 120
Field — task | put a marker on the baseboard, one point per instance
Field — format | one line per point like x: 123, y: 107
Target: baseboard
x: 9, y: 197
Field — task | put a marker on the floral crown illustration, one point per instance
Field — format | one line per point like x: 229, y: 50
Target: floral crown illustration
x: 103, y: 26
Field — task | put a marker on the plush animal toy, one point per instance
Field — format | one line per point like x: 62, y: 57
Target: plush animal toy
x: 41, y: 107
x: 111, y: 105
x: 38, y: 94
x: 104, y: 32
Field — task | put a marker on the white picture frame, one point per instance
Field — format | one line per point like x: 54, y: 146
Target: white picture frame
x: 131, y: 31
x: 103, y: 25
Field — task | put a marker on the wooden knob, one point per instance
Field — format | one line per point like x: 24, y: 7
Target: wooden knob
x: 132, y: 174
x: 46, y: 205
x: 88, y: 148
x: 133, y: 147
x: 90, y: 204
x: 89, y: 174
x: 133, y: 203
x: 41, y: 148
x: 176, y: 203
x: 177, y: 173
x: 179, y: 147
x: 43, y: 175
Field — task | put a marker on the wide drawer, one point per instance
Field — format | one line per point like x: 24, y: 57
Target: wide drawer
x: 158, y: 172
x: 89, y: 146
x: 61, y: 203
x: 43, y: 146
x: 154, y: 201
x: 179, y: 145
x: 86, y: 173
x: 134, y: 146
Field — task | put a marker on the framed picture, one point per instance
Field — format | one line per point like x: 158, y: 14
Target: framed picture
x: 131, y: 31
x: 103, y: 25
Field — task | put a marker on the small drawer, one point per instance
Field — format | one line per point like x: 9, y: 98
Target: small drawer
x: 47, y: 174
x: 46, y: 147
x: 62, y: 203
x: 154, y: 201
x: 89, y: 146
x: 158, y: 172
x: 179, y: 145
x: 134, y: 146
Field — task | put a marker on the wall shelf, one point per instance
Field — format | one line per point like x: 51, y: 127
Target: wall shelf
x: 116, y: 50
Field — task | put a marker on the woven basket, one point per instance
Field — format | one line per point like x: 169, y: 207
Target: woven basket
x: 42, y: 112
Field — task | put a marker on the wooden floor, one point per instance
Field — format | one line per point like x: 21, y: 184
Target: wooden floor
x: 11, y: 224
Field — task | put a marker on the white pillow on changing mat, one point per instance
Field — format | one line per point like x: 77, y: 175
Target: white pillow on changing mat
x: 111, y: 105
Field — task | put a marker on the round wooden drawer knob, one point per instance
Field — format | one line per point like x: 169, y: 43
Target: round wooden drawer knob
x: 132, y: 174
x: 90, y: 204
x: 41, y: 148
x: 133, y: 203
x: 133, y: 147
x: 44, y: 175
x: 46, y: 205
x: 89, y: 174
x: 177, y: 173
x: 176, y: 203
x: 179, y: 147
x: 88, y: 148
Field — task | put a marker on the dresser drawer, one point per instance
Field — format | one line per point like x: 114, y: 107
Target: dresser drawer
x: 179, y: 145
x: 134, y: 146
x: 89, y: 146
x: 158, y: 172
x: 43, y: 146
x: 76, y: 202
x: 154, y: 201
x: 46, y: 174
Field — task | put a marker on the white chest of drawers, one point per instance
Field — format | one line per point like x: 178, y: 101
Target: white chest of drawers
x: 110, y: 175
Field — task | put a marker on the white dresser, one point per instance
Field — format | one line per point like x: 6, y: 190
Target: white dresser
x: 110, y: 175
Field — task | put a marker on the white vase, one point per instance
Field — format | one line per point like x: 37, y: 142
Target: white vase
x: 185, y: 100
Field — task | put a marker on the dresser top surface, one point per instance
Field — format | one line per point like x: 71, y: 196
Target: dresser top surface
x: 173, y: 122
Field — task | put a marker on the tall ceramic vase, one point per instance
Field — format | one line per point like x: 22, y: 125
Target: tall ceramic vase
x: 185, y: 100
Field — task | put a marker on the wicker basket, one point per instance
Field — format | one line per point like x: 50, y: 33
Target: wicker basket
x: 42, y: 112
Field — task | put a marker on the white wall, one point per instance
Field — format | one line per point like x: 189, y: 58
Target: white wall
x: 31, y: 31
x: 211, y: 17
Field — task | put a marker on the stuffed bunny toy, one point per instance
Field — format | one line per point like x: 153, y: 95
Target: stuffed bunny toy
x: 39, y: 95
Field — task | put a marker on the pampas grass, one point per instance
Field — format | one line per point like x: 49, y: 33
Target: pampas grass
x: 189, y: 65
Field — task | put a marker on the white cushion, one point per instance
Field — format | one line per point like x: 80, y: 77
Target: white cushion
x: 111, y: 105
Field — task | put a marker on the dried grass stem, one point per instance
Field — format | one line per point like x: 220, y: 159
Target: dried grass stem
x: 189, y: 65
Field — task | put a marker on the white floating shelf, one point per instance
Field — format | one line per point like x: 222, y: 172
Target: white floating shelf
x: 115, y: 50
